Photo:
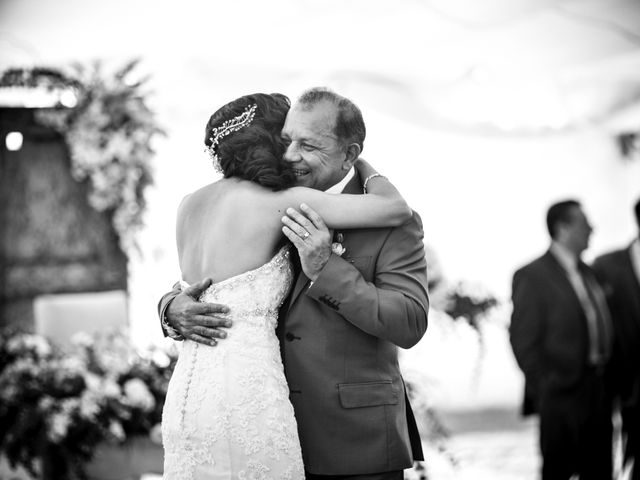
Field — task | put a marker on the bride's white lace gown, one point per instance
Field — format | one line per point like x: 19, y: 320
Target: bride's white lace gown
x: 227, y: 413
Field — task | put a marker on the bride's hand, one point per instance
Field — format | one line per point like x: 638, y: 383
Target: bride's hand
x: 364, y: 168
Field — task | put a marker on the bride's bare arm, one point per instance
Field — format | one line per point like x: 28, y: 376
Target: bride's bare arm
x: 382, y: 206
x: 370, y: 177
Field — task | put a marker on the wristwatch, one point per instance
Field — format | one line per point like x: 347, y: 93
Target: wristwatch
x: 168, y: 329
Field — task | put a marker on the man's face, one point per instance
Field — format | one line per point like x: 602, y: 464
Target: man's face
x: 318, y: 159
x: 578, y: 231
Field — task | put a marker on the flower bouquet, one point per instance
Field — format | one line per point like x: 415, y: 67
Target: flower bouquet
x: 57, y: 405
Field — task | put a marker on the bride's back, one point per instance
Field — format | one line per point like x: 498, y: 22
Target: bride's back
x: 225, y: 229
x: 230, y: 226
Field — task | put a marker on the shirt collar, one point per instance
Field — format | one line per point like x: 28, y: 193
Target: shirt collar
x: 566, y: 257
x: 338, y: 187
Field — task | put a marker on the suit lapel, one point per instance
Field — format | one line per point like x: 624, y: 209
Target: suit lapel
x: 354, y: 186
x: 301, y: 282
x: 297, y: 271
x: 561, y: 277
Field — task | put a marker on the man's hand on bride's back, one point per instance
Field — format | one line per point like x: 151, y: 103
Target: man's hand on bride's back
x: 198, y: 321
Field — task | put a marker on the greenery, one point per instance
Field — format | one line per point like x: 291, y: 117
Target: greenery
x: 468, y: 303
x: 108, y: 128
x: 48, y: 79
x: 461, y: 302
x: 64, y: 402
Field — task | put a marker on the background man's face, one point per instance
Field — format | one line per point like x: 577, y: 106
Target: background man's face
x: 578, y: 231
x: 313, y: 149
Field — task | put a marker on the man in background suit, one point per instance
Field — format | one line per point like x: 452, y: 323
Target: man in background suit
x: 561, y: 337
x: 350, y: 309
x: 620, y: 273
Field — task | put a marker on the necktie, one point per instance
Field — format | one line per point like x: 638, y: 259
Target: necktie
x: 600, y: 318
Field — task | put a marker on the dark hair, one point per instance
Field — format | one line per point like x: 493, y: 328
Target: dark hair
x: 254, y: 152
x: 560, y: 213
x: 350, y: 126
x: 636, y: 209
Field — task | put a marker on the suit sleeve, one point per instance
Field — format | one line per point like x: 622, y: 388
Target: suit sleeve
x: 526, y: 327
x: 394, y: 307
x: 163, y: 305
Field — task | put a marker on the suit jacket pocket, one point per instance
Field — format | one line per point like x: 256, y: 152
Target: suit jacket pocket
x: 367, y: 394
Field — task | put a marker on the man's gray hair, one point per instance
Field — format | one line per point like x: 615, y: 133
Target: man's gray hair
x: 350, y: 126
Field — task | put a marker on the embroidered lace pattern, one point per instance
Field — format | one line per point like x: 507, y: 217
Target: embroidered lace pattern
x: 227, y: 413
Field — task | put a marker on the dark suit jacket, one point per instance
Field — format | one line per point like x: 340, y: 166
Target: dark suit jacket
x: 548, y: 330
x: 622, y: 288
x: 339, y: 340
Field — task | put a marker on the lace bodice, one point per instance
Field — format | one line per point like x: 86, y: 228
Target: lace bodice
x: 254, y: 297
x: 227, y: 413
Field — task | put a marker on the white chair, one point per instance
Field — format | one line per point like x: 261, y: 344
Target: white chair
x: 60, y: 316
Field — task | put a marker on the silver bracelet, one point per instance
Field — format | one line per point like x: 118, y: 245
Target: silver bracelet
x: 366, y: 180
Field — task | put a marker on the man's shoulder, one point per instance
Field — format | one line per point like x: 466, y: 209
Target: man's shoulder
x: 415, y: 218
x: 536, y: 263
x: 614, y: 256
x: 611, y: 264
x: 374, y: 241
x: 415, y: 221
x: 537, y: 266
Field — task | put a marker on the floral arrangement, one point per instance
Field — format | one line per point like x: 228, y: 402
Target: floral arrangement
x: 469, y: 302
x: 461, y: 301
x: 108, y: 128
x: 64, y: 402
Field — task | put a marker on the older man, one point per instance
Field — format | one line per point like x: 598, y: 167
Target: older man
x: 350, y: 309
x: 561, y: 338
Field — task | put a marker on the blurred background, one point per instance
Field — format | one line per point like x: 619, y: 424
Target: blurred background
x: 483, y: 113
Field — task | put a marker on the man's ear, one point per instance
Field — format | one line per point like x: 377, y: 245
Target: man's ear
x: 352, y: 153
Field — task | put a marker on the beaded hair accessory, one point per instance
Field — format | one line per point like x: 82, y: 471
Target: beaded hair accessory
x: 229, y: 126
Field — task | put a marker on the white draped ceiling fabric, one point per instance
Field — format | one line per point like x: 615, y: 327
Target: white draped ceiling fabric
x: 493, y: 66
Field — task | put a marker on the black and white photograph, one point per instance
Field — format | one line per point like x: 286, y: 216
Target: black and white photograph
x: 320, y: 240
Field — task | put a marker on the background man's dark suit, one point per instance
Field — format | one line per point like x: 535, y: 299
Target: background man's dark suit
x: 623, y: 294
x: 550, y: 341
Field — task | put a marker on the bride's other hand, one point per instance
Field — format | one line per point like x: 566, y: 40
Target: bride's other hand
x: 364, y: 168
x: 198, y: 321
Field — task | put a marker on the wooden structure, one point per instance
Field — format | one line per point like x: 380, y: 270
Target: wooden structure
x: 51, y: 240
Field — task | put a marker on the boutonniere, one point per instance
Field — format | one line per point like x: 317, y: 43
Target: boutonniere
x: 336, y: 247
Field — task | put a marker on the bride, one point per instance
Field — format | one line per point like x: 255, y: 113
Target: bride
x: 227, y: 412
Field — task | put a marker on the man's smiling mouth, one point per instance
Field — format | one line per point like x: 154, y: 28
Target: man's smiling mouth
x: 300, y: 173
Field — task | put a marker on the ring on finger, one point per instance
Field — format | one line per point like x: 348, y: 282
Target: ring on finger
x: 305, y: 235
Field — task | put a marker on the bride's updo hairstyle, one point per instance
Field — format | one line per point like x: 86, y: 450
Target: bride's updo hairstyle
x: 243, y: 138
